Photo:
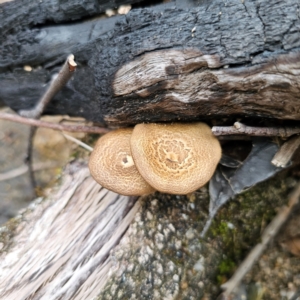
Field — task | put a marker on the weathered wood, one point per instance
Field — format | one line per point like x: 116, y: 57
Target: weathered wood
x: 172, y: 62
x: 60, y: 246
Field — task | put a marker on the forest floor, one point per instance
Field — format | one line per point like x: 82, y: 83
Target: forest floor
x: 52, y: 151
x: 236, y: 229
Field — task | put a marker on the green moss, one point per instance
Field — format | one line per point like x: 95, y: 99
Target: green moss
x: 221, y: 229
x: 7, y: 232
x: 240, y: 223
x: 225, y: 268
x: 234, y: 232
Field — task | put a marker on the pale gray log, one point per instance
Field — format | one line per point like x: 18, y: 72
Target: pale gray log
x: 61, y: 248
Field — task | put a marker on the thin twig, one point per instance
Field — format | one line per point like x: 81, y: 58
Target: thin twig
x: 296, y: 295
x: 24, y: 169
x: 208, y: 223
x: 28, y: 159
x: 269, y: 233
x: 234, y: 137
x: 78, y: 142
x: 286, y: 152
x: 239, y: 128
x: 55, y: 86
x: 54, y: 126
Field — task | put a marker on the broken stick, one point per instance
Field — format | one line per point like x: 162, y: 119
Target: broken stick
x: 286, y: 152
x: 54, y: 126
x: 56, y: 85
x: 239, y: 129
x: 269, y: 233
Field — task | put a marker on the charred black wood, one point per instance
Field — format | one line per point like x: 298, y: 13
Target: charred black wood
x: 209, y: 59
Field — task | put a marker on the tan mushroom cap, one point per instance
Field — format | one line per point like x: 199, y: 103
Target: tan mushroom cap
x: 112, y: 166
x: 175, y: 158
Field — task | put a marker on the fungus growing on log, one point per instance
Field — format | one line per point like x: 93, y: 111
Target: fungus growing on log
x: 112, y: 166
x: 175, y: 158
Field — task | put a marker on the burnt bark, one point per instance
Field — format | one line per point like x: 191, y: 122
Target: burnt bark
x: 184, y: 60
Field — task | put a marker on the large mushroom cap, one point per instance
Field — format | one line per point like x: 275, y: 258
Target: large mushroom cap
x: 112, y: 166
x: 175, y: 158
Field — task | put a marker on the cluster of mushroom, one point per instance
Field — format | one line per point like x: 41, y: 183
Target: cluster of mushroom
x: 175, y: 158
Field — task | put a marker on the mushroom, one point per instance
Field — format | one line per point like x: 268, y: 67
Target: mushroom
x: 175, y: 158
x: 112, y: 166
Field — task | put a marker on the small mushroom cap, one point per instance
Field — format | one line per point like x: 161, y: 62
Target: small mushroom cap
x: 175, y: 158
x: 112, y: 166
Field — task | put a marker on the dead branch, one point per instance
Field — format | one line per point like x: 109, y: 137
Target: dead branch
x: 223, y: 68
x: 242, y: 129
x: 56, y: 85
x: 54, y: 126
x: 64, y: 252
x: 286, y: 152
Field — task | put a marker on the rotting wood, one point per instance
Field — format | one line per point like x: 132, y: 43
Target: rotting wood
x: 286, y: 152
x: 219, y: 60
x: 192, y: 84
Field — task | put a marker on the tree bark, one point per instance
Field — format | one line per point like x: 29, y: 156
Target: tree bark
x: 187, y: 60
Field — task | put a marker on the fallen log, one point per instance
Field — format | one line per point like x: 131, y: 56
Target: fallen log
x: 60, y: 241
x: 72, y: 245
x: 164, y: 63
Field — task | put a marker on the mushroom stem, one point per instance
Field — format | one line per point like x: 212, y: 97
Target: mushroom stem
x: 239, y: 129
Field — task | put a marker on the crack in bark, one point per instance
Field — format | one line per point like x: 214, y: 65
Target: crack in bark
x: 262, y: 21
